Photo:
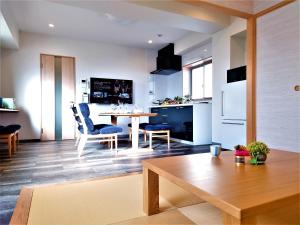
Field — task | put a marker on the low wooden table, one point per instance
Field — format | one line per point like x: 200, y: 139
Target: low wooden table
x: 135, y: 121
x: 240, y: 192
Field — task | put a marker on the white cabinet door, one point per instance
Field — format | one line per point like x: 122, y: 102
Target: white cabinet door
x: 233, y: 133
x: 234, y: 100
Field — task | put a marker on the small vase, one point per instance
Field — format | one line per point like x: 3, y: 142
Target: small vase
x: 261, y: 158
x: 258, y: 159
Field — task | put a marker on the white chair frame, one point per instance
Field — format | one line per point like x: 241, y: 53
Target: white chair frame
x: 84, y: 137
x: 152, y: 134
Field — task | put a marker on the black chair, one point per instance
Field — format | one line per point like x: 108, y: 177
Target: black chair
x: 10, y: 136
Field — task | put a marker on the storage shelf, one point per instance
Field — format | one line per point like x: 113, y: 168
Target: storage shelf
x: 8, y: 110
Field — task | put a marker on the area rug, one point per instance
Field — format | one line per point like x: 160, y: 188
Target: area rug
x: 115, y: 201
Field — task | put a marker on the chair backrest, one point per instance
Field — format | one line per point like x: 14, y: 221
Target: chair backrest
x: 76, y: 115
x: 88, y: 124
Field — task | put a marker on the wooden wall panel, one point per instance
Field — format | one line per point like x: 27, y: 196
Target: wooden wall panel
x: 48, y: 97
x: 251, y: 79
x: 68, y: 95
x: 278, y: 71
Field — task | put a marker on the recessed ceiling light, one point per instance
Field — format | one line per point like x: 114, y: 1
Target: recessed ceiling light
x: 51, y: 25
x: 205, y: 50
x: 150, y: 42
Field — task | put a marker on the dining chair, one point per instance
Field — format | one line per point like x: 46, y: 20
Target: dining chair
x: 153, y: 130
x: 88, y: 131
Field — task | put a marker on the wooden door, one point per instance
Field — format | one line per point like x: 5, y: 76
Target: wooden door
x: 68, y: 96
x: 48, y: 97
x: 58, y: 90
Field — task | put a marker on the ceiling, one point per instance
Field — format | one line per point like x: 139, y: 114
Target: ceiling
x: 130, y: 23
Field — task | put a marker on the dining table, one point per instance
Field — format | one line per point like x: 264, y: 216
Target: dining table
x: 135, y: 121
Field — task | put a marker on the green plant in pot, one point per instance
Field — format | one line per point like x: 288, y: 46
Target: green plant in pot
x: 258, y: 151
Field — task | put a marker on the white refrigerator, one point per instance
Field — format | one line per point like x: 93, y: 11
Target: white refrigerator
x: 233, y: 112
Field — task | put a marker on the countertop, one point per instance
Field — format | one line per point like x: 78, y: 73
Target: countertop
x: 176, y: 105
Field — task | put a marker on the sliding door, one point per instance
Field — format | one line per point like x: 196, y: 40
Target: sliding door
x: 58, y: 91
x: 67, y: 96
x: 48, y: 97
x: 278, y: 73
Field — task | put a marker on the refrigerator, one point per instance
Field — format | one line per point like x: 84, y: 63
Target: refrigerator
x: 233, y: 113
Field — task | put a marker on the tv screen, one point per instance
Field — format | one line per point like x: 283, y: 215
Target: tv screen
x: 110, y: 91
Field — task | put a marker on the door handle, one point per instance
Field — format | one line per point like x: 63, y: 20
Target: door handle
x: 233, y: 123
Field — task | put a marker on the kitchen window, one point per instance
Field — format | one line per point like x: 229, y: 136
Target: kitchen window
x: 197, y: 80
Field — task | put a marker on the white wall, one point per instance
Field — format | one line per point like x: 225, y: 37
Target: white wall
x: 168, y: 86
x: 20, y: 74
x: 9, y: 32
x: 190, y: 42
x: 221, y: 63
x: 278, y: 71
x: 237, y: 51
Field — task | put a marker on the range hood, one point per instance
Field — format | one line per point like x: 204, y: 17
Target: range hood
x: 166, y: 62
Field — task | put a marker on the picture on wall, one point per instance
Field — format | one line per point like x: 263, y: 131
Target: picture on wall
x: 111, y: 91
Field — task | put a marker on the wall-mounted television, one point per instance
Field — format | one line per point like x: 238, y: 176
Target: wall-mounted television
x: 111, y: 91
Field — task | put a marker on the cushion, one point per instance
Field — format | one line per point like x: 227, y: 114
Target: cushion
x: 89, y: 123
x: 110, y: 130
x: 141, y: 126
x: 84, y: 109
x: 102, y: 129
x: 14, y: 127
x: 6, y: 130
x: 154, y: 127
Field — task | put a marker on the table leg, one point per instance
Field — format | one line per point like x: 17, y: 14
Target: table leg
x: 230, y: 220
x: 151, y: 192
x: 135, y: 123
x: 113, y: 120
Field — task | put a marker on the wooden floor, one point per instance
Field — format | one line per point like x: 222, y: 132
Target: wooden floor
x: 57, y: 162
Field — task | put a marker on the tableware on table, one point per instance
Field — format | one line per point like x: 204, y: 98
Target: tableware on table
x: 215, y: 150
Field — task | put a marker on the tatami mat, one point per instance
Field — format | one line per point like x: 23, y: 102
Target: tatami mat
x: 110, y: 201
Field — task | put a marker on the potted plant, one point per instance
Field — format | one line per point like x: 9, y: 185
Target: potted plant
x: 258, y: 152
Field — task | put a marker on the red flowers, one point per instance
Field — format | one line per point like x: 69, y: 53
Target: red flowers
x: 241, y: 150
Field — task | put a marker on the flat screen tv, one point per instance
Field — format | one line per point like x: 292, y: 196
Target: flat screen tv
x: 110, y: 91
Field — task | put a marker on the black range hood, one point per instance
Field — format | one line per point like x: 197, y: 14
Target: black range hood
x: 166, y: 62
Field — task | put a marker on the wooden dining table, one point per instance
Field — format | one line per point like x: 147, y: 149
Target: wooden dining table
x: 135, y: 121
x: 247, y: 194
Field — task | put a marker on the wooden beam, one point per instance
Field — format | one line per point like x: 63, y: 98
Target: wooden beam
x: 218, y: 8
x: 251, y: 79
x: 274, y: 7
x: 21, y: 212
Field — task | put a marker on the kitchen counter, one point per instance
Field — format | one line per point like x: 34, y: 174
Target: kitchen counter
x: 189, y: 122
x: 176, y: 105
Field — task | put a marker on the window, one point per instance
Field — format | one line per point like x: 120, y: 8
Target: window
x: 197, y: 80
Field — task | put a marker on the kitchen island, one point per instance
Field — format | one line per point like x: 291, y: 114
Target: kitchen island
x: 191, y: 123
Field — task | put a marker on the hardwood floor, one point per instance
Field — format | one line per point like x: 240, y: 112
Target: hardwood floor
x: 56, y: 162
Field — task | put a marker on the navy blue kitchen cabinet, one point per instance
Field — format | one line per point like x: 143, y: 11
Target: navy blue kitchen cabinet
x: 179, y: 117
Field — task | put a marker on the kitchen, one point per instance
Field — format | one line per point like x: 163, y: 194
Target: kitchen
x: 215, y: 113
